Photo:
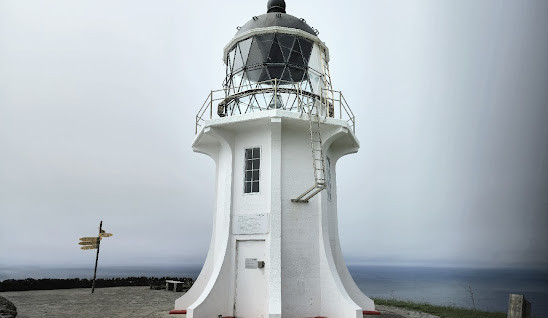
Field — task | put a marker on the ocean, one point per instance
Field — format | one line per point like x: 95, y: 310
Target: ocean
x: 455, y: 286
x: 489, y: 288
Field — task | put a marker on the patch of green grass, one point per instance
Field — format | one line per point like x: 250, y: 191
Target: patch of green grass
x: 441, y: 311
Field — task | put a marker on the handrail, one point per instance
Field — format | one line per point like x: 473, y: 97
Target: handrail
x: 229, y: 103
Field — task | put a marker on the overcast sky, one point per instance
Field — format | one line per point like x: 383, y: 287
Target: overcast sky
x: 97, y: 108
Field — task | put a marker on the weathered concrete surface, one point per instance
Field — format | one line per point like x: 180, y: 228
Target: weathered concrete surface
x: 115, y: 302
x: 105, y: 302
x: 518, y: 307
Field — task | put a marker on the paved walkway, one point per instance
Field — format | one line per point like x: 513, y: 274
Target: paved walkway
x: 114, y: 302
x: 120, y: 302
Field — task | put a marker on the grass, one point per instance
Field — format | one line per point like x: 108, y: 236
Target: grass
x: 441, y: 311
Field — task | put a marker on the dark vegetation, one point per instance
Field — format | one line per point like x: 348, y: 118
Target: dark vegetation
x: 49, y: 283
x: 7, y: 309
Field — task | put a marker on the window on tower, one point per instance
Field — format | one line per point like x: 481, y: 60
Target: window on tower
x: 252, y: 167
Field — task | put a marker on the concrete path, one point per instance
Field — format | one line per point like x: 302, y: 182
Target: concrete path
x: 111, y: 302
x: 121, y: 302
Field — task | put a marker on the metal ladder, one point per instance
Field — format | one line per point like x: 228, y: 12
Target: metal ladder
x: 318, y: 161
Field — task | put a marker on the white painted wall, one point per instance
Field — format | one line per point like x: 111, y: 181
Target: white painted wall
x: 250, y: 136
x: 305, y: 274
x: 300, y: 227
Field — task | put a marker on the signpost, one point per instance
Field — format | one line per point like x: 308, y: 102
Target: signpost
x: 89, y: 239
x: 93, y: 243
x: 93, y: 247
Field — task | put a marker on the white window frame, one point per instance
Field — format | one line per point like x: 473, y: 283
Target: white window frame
x: 252, y: 170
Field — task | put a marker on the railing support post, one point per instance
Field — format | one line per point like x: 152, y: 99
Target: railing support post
x: 275, y: 93
x: 321, y: 96
x: 340, y: 105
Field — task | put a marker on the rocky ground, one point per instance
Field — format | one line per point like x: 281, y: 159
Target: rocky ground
x: 120, y: 302
x: 7, y: 308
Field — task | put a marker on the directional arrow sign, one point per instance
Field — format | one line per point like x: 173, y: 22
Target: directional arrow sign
x: 87, y: 243
x: 90, y: 247
x: 105, y: 234
x: 89, y: 239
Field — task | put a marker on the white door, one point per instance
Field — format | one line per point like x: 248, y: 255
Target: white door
x: 251, y: 285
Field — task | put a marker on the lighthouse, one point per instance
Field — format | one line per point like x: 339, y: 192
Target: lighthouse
x: 275, y: 131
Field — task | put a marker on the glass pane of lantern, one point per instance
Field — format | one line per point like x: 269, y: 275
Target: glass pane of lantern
x: 237, y: 79
x: 286, y: 44
x: 297, y: 74
x: 265, y: 43
x: 296, y: 57
x: 238, y: 62
x: 244, y: 48
x: 306, y: 85
x: 275, y: 55
x: 255, y: 56
x: 297, y: 45
x: 315, y: 59
x: 315, y: 81
x: 244, y: 81
x: 230, y: 58
x: 275, y: 71
x: 306, y: 48
x: 254, y: 75
x: 266, y: 74
x: 286, y: 75
x: 263, y: 75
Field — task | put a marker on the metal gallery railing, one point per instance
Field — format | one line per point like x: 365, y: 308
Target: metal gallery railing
x: 275, y: 94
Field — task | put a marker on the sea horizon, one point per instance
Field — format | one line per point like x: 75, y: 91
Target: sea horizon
x: 34, y: 271
x: 485, y: 288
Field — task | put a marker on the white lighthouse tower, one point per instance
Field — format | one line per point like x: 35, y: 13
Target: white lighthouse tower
x: 275, y: 131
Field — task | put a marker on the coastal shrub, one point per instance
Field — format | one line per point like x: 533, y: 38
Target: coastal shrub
x: 51, y: 283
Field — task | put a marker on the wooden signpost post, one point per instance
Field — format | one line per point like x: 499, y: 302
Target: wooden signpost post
x: 93, y: 243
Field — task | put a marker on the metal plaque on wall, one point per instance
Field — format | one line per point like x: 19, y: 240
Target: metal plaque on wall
x: 251, y: 224
x: 251, y: 263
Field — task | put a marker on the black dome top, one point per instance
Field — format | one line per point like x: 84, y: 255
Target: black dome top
x: 276, y: 19
x: 275, y: 6
x: 276, y: 16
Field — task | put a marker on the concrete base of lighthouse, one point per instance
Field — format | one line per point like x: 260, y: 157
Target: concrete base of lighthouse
x: 304, y: 273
